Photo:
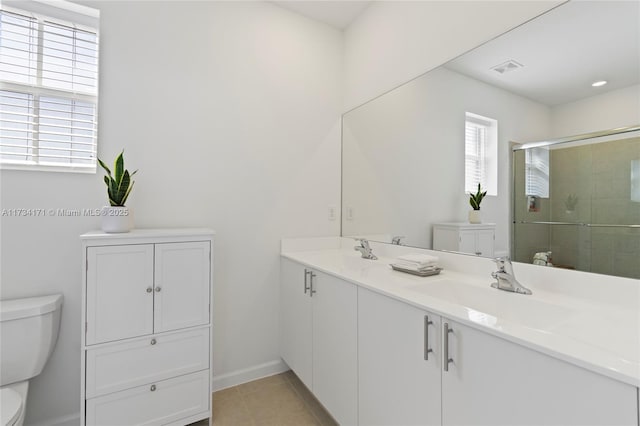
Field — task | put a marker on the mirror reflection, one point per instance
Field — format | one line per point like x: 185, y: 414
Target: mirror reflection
x: 577, y: 204
x: 411, y: 156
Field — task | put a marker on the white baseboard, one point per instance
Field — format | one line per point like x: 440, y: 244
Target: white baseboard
x: 245, y: 375
x: 70, y: 420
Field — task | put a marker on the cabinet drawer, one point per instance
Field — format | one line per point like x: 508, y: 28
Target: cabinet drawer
x: 153, y: 404
x: 136, y: 362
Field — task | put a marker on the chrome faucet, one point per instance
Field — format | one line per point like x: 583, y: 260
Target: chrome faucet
x: 505, y: 278
x: 396, y: 240
x: 365, y: 249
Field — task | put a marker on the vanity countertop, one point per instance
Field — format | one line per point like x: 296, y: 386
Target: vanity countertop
x: 600, y: 336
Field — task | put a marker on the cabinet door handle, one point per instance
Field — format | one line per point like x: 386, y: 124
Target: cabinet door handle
x: 311, y: 277
x: 427, y: 350
x: 445, y: 346
x: 158, y: 289
x: 306, y: 286
x: 153, y: 388
x: 153, y: 341
x: 149, y: 289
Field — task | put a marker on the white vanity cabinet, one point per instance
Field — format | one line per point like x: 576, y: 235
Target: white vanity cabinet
x: 488, y: 380
x: 399, y: 362
x: 318, y: 338
x: 478, y: 239
x: 146, y: 341
x: 493, y: 381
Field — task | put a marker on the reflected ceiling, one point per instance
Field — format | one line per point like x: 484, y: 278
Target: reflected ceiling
x: 576, y: 36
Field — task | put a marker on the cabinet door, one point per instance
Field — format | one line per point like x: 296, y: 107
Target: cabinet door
x: 468, y: 242
x: 335, y: 346
x: 398, y: 381
x: 485, y: 243
x: 119, y: 292
x: 295, y: 320
x: 181, y: 285
x: 495, y: 382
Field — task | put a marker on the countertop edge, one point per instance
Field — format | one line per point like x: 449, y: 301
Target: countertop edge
x: 579, y: 360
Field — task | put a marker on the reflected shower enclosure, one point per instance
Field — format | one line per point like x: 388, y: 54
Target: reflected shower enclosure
x: 579, y: 198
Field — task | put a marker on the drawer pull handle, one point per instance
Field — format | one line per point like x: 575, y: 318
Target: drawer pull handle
x: 153, y: 388
x: 149, y: 289
x: 306, y: 286
x: 153, y: 341
x: 158, y: 289
x: 445, y: 345
x: 427, y: 350
x: 311, y: 277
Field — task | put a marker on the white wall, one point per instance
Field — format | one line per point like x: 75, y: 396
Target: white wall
x: 395, y: 41
x: 231, y: 112
x: 617, y: 108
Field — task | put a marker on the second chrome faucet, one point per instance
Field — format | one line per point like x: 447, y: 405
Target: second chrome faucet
x: 365, y: 249
x: 505, y: 278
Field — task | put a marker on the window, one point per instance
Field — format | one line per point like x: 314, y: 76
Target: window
x: 481, y: 154
x: 536, y: 162
x: 48, y: 93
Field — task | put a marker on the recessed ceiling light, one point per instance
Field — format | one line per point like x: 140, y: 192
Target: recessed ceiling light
x: 599, y: 83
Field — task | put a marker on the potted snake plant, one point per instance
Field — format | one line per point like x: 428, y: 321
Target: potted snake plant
x: 117, y: 217
x: 475, y: 200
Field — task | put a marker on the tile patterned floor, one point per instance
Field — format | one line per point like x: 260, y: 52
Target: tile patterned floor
x: 280, y: 400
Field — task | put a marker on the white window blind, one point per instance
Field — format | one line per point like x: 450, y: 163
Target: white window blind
x: 48, y: 93
x: 480, y: 150
x: 537, y: 172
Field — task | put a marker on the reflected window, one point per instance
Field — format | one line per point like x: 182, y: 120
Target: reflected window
x: 481, y: 154
x: 537, y: 172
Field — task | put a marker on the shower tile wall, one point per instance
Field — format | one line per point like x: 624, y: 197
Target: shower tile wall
x: 600, y: 176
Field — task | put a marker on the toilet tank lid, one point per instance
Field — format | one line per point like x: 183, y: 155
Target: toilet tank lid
x: 12, y: 309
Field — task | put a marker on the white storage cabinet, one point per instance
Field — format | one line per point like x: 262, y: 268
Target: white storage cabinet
x: 146, y: 340
x: 319, y: 334
x: 478, y: 239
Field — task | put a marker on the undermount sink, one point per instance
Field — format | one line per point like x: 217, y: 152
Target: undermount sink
x: 488, y: 305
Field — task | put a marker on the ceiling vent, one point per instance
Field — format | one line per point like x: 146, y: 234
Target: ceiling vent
x: 508, y: 66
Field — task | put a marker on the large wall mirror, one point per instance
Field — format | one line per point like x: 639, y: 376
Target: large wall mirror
x: 411, y: 156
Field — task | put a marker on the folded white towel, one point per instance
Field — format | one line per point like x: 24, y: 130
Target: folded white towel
x: 419, y: 259
x: 413, y: 266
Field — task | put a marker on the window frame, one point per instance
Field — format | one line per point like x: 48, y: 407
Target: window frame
x: 38, y: 91
x: 486, y: 155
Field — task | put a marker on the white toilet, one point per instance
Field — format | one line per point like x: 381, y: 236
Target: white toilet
x: 28, y: 333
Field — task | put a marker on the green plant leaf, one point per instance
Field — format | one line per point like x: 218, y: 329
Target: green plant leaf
x: 123, y: 187
x: 119, y: 167
x: 104, y: 166
x: 126, y: 195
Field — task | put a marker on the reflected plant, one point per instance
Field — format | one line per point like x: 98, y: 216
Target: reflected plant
x: 571, y: 202
x: 476, y: 199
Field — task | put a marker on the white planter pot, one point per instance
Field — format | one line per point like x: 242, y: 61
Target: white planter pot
x: 474, y: 216
x: 116, y: 219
